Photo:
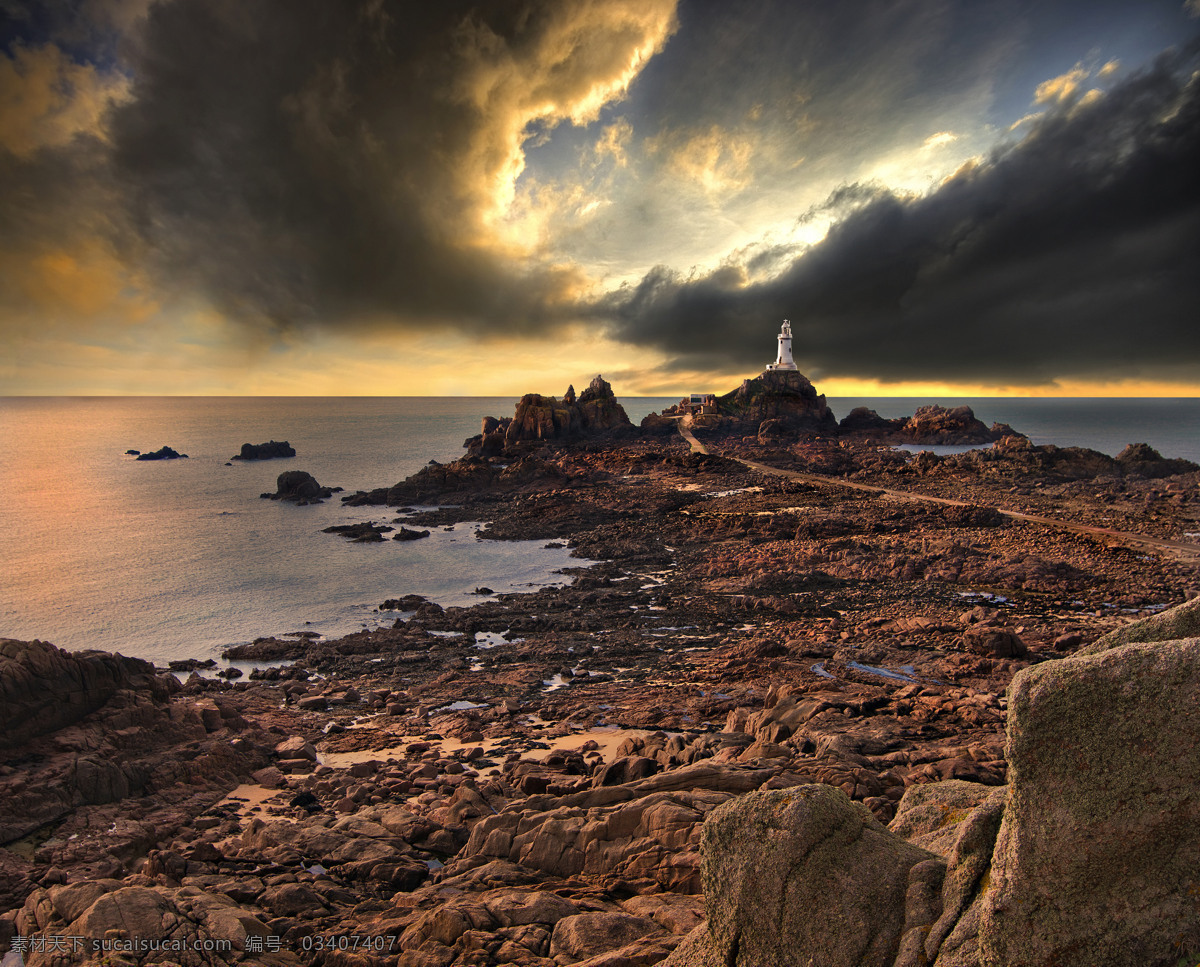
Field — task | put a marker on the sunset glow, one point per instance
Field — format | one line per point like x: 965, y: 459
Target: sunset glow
x: 977, y: 199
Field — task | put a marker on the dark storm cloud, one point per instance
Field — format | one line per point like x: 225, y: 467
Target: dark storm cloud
x: 310, y: 161
x: 294, y: 161
x: 1073, y: 252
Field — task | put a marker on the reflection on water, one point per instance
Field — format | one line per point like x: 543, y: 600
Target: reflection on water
x: 176, y: 559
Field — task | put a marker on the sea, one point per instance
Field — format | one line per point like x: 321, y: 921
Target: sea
x: 177, y: 559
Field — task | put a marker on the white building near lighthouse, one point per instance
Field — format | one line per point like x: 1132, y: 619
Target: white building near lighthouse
x: 783, y: 361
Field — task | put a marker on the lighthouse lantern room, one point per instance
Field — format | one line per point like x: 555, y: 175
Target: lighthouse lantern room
x: 783, y: 361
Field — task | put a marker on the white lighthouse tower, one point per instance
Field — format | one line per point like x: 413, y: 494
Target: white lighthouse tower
x: 783, y: 361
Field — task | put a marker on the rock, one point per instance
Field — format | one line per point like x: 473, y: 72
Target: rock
x: 43, y: 689
x: 1068, y: 641
x: 269, y: 777
x: 300, y: 487
x: 266, y: 649
x: 163, y: 453
x: 863, y: 421
x: 183, y: 919
x: 967, y: 869
x: 365, y: 533
x: 1182, y: 621
x: 405, y: 534
x: 929, y: 814
x: 785, y: 397
x: 595, y: 413
x: 957, y: 426
x: 296, y: 748
x: 265, y: 451
x: 1142, y: 460
x: 292, y: 900
x: 587, y: 934
x: 993, y: 642
x: 1098, y: 853
x: 191, y: 664
x: 781, y: 868
x: 410, y: 602
x: 626, y: 769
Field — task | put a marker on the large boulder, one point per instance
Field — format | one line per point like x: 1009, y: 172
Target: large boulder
x: 1098, y: 855
x: 797, y: 877
x: 43, y: 688
x: 1177, y: 623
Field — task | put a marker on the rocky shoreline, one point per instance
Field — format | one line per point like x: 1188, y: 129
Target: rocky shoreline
x: 530, y: 780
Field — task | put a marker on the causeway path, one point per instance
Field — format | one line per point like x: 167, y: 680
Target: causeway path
x: 1178, y: 550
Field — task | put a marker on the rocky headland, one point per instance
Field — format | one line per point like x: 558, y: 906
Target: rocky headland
x: 807, y: 699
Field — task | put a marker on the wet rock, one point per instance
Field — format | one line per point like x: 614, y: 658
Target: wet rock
x: 360, y: 533
x: 407, y: 534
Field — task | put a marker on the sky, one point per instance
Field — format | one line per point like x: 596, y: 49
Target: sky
x: 491, y: 197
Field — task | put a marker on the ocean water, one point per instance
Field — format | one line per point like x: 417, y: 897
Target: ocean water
x: 179, y: 558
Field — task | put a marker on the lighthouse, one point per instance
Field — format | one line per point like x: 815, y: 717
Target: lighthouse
x: 783, y: 361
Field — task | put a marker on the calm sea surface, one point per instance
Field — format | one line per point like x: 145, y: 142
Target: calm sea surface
x: 178, y: 558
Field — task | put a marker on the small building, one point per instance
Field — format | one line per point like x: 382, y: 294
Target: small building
x: 698, y: 403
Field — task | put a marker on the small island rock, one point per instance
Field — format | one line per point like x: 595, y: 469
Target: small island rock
x: 265, y: 451
x: 300, y: 487
x: 163, y: 453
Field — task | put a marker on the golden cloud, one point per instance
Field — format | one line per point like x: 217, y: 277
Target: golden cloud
x: 614, y: 141
x: 716, y: 160
x: 939, y: 139
x: 1061, y: 88
x: 579, y: 57
x: 47, y: 100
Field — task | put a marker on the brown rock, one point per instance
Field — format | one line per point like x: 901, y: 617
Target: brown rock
x: 993, y: 642
x: 587, y: 934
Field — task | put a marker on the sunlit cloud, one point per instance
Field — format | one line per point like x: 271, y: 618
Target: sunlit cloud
x: 1061, y: 88
x: 47, y: 100
x: 940, y: 139
x: 469, y: 198
x: 715, y: 160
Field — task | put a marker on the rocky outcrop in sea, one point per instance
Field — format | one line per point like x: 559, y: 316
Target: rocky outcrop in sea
x: 162, y: 453
x: 300, y: 487
x: 595, y: 413
x: 937, y: 425
x: 271, y: 450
